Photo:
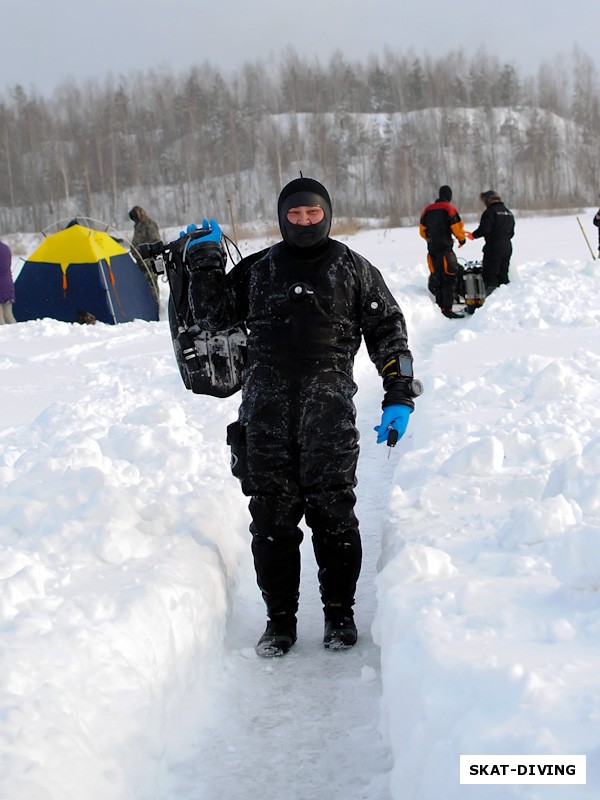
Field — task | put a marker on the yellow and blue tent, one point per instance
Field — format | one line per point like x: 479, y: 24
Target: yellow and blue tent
x: 80, y: 269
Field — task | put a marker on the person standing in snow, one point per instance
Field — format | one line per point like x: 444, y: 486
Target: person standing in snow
x: 440, y: 221
x: 497, y: 227
x: 597, y: 224
x: 307, y: 302
x: 7, y: 286
x: 145, y: 231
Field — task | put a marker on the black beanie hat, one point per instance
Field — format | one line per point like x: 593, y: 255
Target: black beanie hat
x: 304, y: 192
x: 445, y: 193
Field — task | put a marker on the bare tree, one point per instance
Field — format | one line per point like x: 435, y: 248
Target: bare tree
x: 383, y: 134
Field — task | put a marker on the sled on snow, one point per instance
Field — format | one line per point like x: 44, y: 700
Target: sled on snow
x: 471, y: 289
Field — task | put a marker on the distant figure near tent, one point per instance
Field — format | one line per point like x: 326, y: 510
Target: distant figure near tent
x: 597, y: 224
x: 145, y: 231
x: 7, y: 287
x: 83, y: 270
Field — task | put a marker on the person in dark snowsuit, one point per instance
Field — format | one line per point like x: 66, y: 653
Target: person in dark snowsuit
x: 307, y: 302
x: 145, y: 231
x: 440, y: 221
x: 497, y: 227
x: 7, y: 286
x: 597, y: 224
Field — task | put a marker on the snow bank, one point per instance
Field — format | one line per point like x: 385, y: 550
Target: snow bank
x: 489, y: 608
x: 114, y: 577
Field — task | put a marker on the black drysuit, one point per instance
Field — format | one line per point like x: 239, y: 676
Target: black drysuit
x: 497, y: 227
x: 306, y: 314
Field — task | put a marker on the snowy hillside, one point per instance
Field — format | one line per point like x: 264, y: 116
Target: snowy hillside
x: 128, y: 604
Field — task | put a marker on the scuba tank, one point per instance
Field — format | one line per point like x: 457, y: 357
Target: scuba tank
x: 210, y: 361
x: 474, y: 288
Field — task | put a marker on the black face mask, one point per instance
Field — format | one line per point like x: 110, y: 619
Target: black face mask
x: 304, y: 238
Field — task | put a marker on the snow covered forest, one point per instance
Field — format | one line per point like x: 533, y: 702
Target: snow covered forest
x: 383, y: 135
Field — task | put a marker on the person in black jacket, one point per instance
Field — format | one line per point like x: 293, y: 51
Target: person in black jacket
x: 307, y: 302
x: 597, y: 224
x: 440, y: 221
x: 497, y: 227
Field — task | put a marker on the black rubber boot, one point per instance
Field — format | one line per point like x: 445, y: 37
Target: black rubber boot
x: 447, y: 312
x: 279, y: 636
x: 340, y: 630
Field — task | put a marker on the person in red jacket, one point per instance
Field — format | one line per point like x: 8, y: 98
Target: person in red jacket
x: 440, y: 222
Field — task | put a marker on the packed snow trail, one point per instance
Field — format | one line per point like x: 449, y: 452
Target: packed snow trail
x: 305, y: 726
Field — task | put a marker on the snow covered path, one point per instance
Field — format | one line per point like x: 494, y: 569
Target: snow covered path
x: 307, y: 726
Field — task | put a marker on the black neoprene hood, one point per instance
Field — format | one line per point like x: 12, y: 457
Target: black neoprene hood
x: 304, y: 192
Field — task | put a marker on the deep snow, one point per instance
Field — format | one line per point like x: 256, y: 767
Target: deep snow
x: 128, y: 604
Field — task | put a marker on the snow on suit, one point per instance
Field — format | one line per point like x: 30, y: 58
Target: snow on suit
x: 306, y: 311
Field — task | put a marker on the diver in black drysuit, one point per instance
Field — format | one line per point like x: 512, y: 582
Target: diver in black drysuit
x: 306, y: 301
x: 497, y: 227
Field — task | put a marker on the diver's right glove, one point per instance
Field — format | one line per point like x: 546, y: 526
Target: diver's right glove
x: 393, y: 418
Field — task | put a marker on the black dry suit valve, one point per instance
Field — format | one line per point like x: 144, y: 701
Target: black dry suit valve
x: 300, y: 291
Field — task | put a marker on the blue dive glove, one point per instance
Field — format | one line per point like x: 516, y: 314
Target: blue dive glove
x: 209, y: 232
x: 395, y: 417
x: 215, y: 231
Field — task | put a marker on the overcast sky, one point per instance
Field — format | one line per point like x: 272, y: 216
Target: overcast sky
x: 45, y: 43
